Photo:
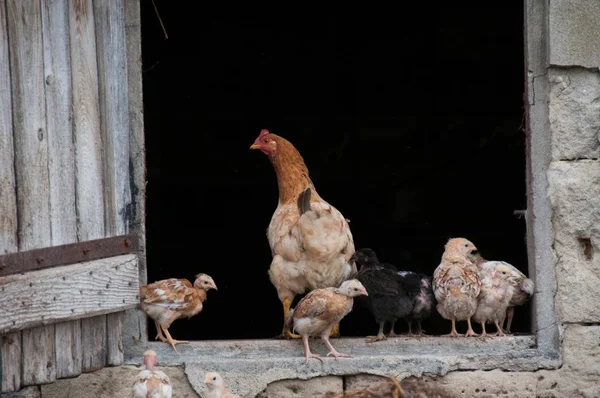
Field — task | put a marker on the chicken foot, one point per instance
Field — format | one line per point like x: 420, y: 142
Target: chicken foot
x: 499, y: 331
x: 380, y: 335
x: 172, y: 341
x: 286, y: 333
x: 510, y: 312
x: 470, y: 332
x: 484, y: 334
x: 453, y: 333
x: 160, y: 335
x: 392, y: 333
x: 307, y: 353
x: 332, y: 351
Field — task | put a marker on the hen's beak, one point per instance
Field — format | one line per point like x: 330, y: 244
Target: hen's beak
x: 254, y: 146
x: 214, y: 286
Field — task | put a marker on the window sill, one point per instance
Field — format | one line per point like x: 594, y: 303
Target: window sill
x: 249, y: 365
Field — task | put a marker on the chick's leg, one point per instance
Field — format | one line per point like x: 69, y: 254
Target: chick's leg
x: 380, y: 336
x: 499, y: 331
x: 307, y: 353
x: 421, y: 331
x: 453, y: 333
x: 171, y: 341
x: 483, y: 333
x: 470, y: 332
x: 160, y: 335
x: 510, y: 312
x: 286, y: 333
x: 332, y: 351
x: 392, y: 333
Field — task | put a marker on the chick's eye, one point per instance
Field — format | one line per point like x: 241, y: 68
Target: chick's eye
x: 215, y: 378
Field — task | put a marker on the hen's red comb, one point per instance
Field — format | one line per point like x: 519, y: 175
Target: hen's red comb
x: 263, y: 132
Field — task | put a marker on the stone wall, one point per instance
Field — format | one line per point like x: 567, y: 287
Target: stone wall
x: 571, y: 85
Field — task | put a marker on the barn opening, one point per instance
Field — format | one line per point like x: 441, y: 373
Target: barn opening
x: 411, y: 125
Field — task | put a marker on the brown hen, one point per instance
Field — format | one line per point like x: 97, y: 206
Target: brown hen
x: 311, y: 243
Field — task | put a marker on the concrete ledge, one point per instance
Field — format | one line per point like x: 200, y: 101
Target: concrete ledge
x: 250, y: 365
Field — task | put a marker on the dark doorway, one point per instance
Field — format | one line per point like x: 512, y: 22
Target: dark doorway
x: 411, y: 125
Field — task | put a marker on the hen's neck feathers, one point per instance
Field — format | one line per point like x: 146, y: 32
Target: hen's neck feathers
x: 292, y: 173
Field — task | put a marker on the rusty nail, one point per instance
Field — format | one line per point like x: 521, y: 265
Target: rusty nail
x: 127, y: 242
x: 40, y: 260
x: 86, y: 252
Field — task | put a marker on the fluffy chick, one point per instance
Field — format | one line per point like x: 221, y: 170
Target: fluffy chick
x: 215, y: 387
x: 388, y: 297
x: 321, y: 309
x: 524, y: 290
x: 150, y: 382
x: 494, y: 298
x: 456, y: 283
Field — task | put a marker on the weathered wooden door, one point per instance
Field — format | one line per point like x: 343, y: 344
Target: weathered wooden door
x: 71, y: 169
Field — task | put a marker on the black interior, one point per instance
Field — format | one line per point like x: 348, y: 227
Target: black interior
x: 411, y: 125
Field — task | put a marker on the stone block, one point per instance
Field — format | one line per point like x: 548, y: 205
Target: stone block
x: 574, y: 29
x: 489, y: 384
x: 27, y: 392
x: 574, y: 190
x: 362, y: 381
x: 574, y: 113
x: 315, y: 387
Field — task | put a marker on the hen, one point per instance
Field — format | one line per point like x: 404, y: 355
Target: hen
x: 494, y: 298
x: 388, y: 299
x: 321, y: 309
x: 216, y: 387
x: 170, y: 299
x: 456, y: 283
x: 523, y: 291
x: 311, y: 243
x: 150, y: 382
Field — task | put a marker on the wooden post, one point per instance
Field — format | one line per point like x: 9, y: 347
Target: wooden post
x: 11, y: 342
x: 31, y: 165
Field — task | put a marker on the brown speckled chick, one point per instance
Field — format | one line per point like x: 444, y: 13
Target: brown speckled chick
x: 497, y: 289
x: 456, y: 283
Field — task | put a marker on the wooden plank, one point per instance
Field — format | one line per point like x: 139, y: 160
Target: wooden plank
x: 11, y: 362
x: 114, y: 116
x: 114, y: 113
x: 61, y: 165
x: 114, y: 338
x: 38, y: 356
x: 31, y: 164
x: 94, y: 338
x: 69, y: 354
x: 88, y: 148
x: 135, y: 323
x: 86, y: 122
x: 69, y: 292
x: 10, y: 343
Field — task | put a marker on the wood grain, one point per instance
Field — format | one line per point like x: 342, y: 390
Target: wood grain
x: 114, y: 338
x: 69, y: 292
x: 38, y: 356
x: 31, y: 164
x: 11, y: 343
x: 86, y: 122
x: 61, y: 164
x: 88, y: 153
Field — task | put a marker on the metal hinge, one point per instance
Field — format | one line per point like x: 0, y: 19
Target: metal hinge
x: 36, y: 259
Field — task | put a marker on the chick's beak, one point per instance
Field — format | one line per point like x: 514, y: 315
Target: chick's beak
x: 364, y: 292
x: 254, y: 146
x: 214, y: 286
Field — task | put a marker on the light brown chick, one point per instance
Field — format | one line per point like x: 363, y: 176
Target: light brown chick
x: 170, y: 299
x: 215, y: 387
x: 456, y: 283
x: 321, y: 309
x: 496, y: 292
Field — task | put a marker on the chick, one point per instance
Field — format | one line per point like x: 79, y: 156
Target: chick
x: 424, y: 300
x: 494, y: 298
x: 524, y: 290
x: 151, y: 382
x: 215, y: 387
x: 321, y: 309
x: 456, y: 283
x: 388, y: 299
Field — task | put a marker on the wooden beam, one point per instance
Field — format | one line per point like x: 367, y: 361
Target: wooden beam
x: 11, y: 343
x: 70, y: 292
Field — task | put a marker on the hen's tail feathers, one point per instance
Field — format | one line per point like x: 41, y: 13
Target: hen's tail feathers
x: 289, y: 319
x: 304, y: 201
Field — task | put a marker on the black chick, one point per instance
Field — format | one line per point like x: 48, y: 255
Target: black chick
x: 420, y: 288
x: 387, y: 300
